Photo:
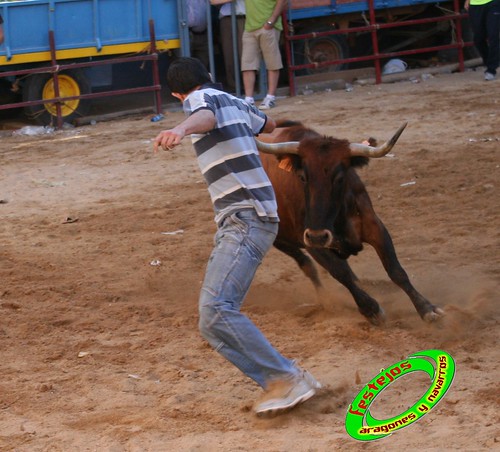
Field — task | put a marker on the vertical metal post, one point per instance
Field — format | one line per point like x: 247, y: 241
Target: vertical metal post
x: 156, y: 73
x: 210, y: 36
x: 236, y: 54
x: 183, y: 28
x: 373, y: 23
x: 288, y: 55
x: 97, y: 25
x: 460, y: 40
x: 52, y: 43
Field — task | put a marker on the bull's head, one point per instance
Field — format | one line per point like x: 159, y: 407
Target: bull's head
x: 324, y: 165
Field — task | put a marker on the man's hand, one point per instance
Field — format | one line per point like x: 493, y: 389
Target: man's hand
x: 202, y: 121
x: 168, y: 139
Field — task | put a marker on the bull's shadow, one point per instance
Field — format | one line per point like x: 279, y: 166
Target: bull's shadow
x: 324, y: 208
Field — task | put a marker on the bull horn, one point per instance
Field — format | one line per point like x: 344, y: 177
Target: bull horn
x: 288, y: 147
x: 365, y: 150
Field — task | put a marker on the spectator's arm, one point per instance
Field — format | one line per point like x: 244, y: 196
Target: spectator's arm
x: 278, y: 9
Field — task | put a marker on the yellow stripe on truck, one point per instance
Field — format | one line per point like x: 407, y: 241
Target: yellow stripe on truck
x: 136, y: 47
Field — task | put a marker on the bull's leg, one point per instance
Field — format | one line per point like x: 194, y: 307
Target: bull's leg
x: 307, y: 266
x: 381, y: 240
x: 341, y: 271
x: 304, y: 262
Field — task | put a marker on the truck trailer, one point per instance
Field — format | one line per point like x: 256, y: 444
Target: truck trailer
x: 82, y: 41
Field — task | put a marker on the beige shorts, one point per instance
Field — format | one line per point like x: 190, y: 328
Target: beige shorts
x: 261, y: 44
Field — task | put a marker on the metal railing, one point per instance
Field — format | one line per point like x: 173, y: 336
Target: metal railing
x: 55, y: 68
x: 373, y: 28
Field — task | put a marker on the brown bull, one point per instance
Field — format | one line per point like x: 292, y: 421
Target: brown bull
x: 324, y: 207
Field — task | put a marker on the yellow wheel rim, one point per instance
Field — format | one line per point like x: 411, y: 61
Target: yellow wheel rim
x: 67, y: 87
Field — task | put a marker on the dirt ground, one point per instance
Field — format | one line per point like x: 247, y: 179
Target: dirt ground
x: 103, y: 247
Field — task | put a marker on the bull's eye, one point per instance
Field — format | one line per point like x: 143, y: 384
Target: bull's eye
x: 338, y: 179
x: 301, y: 174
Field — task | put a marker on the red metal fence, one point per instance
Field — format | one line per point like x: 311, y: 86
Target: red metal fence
x: 56, y: 68
x: 373, y: 27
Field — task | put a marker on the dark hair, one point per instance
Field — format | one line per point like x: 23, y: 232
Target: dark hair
x: 184, y: 74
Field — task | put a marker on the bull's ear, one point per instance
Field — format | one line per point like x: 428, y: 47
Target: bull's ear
x: 288, y: 162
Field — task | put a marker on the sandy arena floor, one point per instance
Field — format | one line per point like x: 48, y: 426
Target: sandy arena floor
x: 100, y: 349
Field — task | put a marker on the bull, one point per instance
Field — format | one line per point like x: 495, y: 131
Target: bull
x: 325, y: 209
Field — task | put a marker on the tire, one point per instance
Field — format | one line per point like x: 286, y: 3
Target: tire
x: 41, y: 86
x: 318, y: 50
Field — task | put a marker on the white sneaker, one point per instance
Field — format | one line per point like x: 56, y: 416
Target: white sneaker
x: 286, y: 395
x: 250, y: 100
x: 488, y: 76
x: 267, y: 103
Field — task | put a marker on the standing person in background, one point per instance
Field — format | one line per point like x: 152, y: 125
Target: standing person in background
x: 197, y: 24
x: 484, y: 16
x: 263, y: 27
x: 226, y: 36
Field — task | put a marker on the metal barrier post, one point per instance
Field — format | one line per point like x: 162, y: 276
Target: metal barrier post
x: 287, y: 29
x: 460, y: 40
x: 55, y: 68
x: 183, y: 28
x: 156, y: 74
x: 373, y: 23
x: 373, y: 28
x: 236, y: 54
x: 210, y: 36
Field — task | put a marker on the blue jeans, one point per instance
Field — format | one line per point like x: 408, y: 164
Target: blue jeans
x: 241, y: 242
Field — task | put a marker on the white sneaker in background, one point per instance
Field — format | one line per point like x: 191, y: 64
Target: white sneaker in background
x: 268, y: 103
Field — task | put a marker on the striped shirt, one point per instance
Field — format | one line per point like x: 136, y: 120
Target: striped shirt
x: 228, y: 157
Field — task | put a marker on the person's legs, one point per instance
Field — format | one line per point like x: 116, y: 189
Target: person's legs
x: 272, y: 82
x: 226, y: 37
x: 249, y: 83
x: 199, y: 47
x: 493, y: 33
x: 226, y: 33
x: 241, y: 243
x: 269, y: 43
x: 478, y: 25
x: 250, y: 61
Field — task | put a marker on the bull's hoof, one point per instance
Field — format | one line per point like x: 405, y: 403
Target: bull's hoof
x: 434, y: 315
x: 377, y: 319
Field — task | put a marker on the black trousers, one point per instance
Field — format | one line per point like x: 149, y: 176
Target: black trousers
x: 485, y: 24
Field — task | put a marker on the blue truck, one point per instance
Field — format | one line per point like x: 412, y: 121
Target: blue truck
x: 81, y: 31
x: 71, y: 37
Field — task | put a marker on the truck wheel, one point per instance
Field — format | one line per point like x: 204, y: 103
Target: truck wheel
x: 41, y: 86
x: 319, y: 50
